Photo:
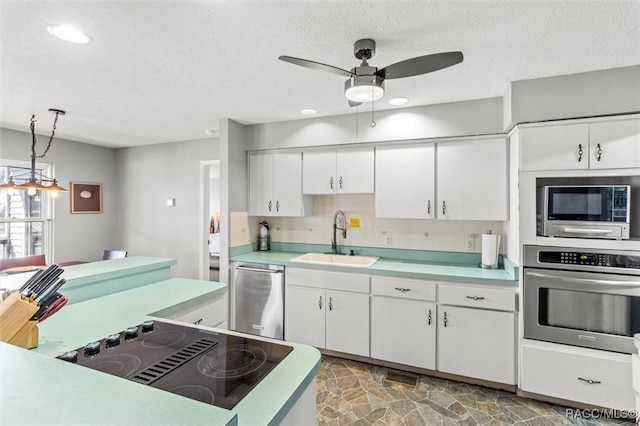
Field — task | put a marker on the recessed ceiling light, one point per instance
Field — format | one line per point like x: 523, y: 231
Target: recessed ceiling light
x: 211, y: 132
x: 308, y: 111
x: 67, y: 33
x: 398, y: 101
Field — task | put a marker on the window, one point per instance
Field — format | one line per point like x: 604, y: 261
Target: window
x: 25, y: 221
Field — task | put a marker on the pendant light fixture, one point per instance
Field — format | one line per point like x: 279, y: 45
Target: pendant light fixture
x: 32, y: 181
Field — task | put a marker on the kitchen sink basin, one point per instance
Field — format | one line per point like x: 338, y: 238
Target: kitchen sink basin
x: 337, y: 259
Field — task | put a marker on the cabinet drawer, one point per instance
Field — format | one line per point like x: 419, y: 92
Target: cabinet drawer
x: 211, y: 313
x: 480, y: 297
x: 402, y: 287
x: 327, y: 280
x: 565, y: 374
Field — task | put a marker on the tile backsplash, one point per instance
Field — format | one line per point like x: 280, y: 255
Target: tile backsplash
x: 418, y: 234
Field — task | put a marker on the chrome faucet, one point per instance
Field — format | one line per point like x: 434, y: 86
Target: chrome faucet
x: 334, y: 244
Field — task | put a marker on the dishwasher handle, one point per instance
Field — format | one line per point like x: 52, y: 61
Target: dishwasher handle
x: 267, y: 271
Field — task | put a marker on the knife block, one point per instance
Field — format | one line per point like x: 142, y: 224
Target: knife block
x: 15, y: 327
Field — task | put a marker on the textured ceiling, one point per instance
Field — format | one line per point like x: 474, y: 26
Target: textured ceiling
x: 162, y: 71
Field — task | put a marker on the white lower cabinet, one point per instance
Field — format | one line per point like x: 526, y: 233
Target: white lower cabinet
x: 403, y: 331
x: 326, y: 318
x: 477, y: 343
x: 577, y: 374
x: 403, y: 321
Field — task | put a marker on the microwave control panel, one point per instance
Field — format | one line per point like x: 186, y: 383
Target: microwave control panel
x: 590, y: 259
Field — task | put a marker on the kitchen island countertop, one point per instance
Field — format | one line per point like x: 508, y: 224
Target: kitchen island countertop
x: 396, y: 267
x: 39, y: 389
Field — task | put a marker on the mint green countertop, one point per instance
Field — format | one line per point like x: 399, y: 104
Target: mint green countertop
x: 448, y: 266
x: 94, y: 279
x: 38, y: 389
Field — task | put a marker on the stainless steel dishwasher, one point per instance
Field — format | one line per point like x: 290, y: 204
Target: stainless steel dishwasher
x: 258, y: 293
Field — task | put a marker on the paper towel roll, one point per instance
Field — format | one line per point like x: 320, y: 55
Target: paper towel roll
x: 490, y: 246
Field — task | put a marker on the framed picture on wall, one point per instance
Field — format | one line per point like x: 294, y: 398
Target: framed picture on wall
x: 86, y: 197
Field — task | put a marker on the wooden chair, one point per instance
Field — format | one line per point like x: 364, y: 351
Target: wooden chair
x: 113, y: 254
x: 14, y: 262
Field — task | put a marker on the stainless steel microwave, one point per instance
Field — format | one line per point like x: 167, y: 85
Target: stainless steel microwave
x: 584, y: 211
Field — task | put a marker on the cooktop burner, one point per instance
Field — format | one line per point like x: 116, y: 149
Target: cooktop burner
x: 202, y: 365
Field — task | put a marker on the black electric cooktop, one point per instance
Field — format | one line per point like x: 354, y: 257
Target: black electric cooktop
x: 206, y: 366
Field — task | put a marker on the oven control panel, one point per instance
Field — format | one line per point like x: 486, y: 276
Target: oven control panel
x: 589, y: 259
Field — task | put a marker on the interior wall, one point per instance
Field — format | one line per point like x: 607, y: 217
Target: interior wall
x: 233, y: 184
x: 148, y: 176
x: 416, y: 234
x: 587, y: 94
x: 76, y: 236
x: 475, y: 117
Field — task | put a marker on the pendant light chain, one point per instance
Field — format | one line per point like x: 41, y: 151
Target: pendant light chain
x: 33, y: 136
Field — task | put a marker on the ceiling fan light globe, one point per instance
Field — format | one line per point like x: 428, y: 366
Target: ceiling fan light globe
x: 364, y: 89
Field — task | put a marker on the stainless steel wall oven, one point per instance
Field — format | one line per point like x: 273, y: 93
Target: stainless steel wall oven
x: 582, y: 297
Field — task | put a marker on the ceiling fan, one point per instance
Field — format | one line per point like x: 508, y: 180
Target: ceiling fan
x: 366, y: 83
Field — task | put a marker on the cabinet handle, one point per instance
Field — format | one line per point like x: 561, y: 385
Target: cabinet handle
x: 591, y: 382
x: 429, y: 317
x: 402, y: 289
x: 340, y: 182
x: 444, y: 207
x: 277, y: 206
x: 598, y: 152
x: 445, y: 319
x: 331, y: 182
x: 580, y: 152
x: 475, y: 297
x: 331, y: 304
x: 270, y: 205
x: 198, y: 321
x: 428, y: 206
x: 320, y: 303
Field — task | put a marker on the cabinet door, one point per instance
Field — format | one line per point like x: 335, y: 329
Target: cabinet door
x: 319, y: 172
x: 405, y: 182
x: 477, y: 343
x: 472, y: 180
x: 619, y: 144
x: 287, y: 184
x: 347, y: 322
x: 354, y: 171
x: 555, y: 147
x: 304, y: 320
x: 404, y: 331
x: 260, y: 184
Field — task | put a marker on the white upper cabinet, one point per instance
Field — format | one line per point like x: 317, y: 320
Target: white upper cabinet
x: 560, y: 147
x: 348, y: 171
x: 472, y: 180
x: 275, y: 185
x: 614, y: 144
x: 405, y: 182
x: 611, y: 144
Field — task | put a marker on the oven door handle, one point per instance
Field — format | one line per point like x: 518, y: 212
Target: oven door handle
x: 582, y: 280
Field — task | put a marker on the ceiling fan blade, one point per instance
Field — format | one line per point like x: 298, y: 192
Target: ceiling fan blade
x: 316, y: 65
x: 420, y: 65
x: 354, y: 104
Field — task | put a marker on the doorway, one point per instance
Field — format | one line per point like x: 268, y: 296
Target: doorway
x: 211, y: 220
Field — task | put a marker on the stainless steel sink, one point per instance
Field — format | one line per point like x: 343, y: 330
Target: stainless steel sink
x: 337, y: 259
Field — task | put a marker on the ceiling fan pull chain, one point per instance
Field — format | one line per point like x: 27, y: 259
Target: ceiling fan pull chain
x: 373, y: 121
x: 357, y: 113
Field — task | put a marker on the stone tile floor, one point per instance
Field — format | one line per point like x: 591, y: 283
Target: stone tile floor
x: 354, y: 393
